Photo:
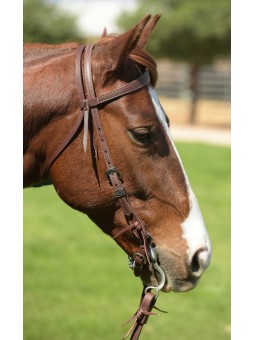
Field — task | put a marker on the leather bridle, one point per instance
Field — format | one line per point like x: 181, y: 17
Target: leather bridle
x: 89, y: 105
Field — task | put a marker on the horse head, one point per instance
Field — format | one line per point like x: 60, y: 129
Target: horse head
x: 138, y: 135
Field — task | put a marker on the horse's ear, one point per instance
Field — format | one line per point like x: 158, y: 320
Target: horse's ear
x: 121, y: 46
x: 148, y: 30
x: 104, y: 34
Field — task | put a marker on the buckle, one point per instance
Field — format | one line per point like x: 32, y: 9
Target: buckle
x: 112, y: 171
x: 120, y: 192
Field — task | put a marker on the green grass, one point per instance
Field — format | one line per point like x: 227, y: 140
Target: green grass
x: 77, y: 284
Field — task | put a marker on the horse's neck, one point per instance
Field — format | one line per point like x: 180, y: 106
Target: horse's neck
x: 36, y: 52
x: 48, y: 92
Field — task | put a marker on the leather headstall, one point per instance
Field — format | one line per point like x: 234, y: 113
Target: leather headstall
x: 89, y: 105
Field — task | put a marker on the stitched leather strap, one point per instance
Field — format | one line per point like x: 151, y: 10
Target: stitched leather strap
x: 135, y: 85
x: 78, y: 73
x: 141, y: 316
x: 136, y: 225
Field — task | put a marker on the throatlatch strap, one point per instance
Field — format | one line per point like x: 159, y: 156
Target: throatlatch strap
x: 69, y: 137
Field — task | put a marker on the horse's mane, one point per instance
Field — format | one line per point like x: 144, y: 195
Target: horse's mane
x: 143, y: 58
x: 41, y: 53
x: 34, y: 53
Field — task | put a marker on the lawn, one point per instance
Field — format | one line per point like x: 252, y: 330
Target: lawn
x: 77, y: 284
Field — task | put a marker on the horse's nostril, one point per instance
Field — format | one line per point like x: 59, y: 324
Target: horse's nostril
x: 200, y: 262
x: 195, y: 264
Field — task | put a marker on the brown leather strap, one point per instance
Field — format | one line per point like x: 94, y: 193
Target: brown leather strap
x: 136, y: 225
x: 78, y: 73
x: 135, y: 85
x: 68, y: 138
x: 64, y: 144
x: 141, y: 316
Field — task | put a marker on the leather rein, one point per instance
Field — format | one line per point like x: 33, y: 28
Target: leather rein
x: 89, y: 104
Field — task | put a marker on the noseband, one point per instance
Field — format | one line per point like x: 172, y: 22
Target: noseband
x: 89, y: 104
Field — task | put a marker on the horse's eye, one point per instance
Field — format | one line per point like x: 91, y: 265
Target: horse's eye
x: 143, y: 136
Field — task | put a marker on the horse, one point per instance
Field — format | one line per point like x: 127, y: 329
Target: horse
x: 94, y: 127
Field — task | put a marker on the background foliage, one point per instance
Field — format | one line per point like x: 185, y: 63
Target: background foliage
x: 193, y: 31
x: 74, y: 275
x: 47, y: 23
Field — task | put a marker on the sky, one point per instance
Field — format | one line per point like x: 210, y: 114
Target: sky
x: 94, y: 15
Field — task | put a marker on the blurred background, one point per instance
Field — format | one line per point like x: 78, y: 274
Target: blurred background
x: 65, y: 294
x: 191, y: 44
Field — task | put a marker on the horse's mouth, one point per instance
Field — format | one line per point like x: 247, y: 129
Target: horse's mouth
x: 175, y: 285
x: 154, y: 279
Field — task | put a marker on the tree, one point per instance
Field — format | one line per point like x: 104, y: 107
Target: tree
x: 45, y: 22
x: 193, y: 31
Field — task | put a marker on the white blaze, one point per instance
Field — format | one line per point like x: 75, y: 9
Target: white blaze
x: 194, y: 230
